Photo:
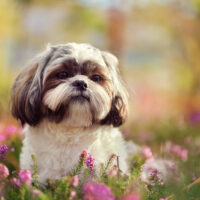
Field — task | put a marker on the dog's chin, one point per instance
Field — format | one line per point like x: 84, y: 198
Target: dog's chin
x: 79, y: 112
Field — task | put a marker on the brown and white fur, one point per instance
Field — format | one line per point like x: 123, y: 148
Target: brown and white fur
x: 70, y: 98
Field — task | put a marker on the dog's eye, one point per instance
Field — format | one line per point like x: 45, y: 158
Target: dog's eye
x: 96, y: 78
x: 62, y: 75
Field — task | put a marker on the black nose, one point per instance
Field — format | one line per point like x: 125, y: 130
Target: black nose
x: 81, y: 85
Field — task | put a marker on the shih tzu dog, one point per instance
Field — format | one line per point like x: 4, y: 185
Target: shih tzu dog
x: 70, y: 98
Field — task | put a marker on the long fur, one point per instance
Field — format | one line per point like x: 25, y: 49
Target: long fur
x: 60, y: 119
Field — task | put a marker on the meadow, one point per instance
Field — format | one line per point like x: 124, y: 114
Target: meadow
x: 172, y: 141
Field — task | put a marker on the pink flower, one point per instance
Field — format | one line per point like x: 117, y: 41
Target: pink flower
x: 36, y: 192
x: 11, y: 129
x: 16, y: 182
x: 4, y: 172
x: 112, y: 172
x: 25, y: 176
x: 97, y: 191
x: 163, y: 198
x: 2, y: 137
x: 176, y: 149
x: 74, y: 181
x: 183, y: 154
x: 147, y: 153
x: 72, y: 194
x: 157, y: 169
x: 84, y: 154
x: 130, y: 197
x: 12, y: 149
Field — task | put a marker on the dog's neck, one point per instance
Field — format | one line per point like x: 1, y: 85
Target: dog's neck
x: 62, y: 133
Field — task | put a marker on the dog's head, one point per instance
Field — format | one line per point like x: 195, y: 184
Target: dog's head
x: 73, y: 82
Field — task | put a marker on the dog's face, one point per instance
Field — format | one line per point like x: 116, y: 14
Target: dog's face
x: 73, y: 82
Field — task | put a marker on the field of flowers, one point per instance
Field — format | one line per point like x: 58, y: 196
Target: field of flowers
x: 166, y: 167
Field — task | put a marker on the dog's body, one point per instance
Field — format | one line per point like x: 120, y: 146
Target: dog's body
x: 70, y: 98
x: 57, y: 151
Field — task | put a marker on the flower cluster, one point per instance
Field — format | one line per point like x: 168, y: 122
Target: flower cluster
x: 176, y: 150
x: 3, y: 150
x: 147, y: 153
x: 89, y: 161
x: 113, y: 171
x: 97, y: 191
x: 25, y: 177
x: 4, y: 172
x: 15, y: 181
x: 8, y: 132
x: 155, y: 178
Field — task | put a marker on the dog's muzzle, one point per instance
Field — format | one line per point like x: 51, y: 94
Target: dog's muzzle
x: 80, y: 85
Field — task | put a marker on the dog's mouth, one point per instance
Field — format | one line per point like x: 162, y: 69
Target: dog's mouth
x: 80, y: 98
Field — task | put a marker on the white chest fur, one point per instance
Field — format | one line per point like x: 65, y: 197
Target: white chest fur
x: 57, y: 149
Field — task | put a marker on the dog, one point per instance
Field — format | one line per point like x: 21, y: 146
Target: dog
x: 70, y: 98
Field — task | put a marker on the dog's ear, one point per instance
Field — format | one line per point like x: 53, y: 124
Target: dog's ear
x: 27, y: 90
x: 119, y: 107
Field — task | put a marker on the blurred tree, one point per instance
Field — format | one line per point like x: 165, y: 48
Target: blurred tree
x: 8, y: 29
x: 116, y: 28
x: 196, y: 3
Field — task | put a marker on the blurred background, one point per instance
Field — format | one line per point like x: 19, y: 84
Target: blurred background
x: 156, y: 41
x: 158, y: 46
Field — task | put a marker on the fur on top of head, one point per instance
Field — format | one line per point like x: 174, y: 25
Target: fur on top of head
x: 74, y: 82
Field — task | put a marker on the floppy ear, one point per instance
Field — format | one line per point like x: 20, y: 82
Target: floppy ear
x: 119, y: 107
x: 27, y: 90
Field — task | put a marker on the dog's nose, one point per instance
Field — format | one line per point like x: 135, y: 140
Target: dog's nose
x: 81, y: 85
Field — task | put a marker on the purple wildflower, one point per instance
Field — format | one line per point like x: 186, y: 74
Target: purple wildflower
x: 154, y: 174
x: 89, y: 161
x: 97, y: 191
x: 4, y: 172
x: 195, y: 117
x: 3, y: 150
x: 25, y: 176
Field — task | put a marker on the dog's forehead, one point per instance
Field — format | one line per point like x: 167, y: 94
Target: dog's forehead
x: 79, y: 52
x: 87, y: 52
